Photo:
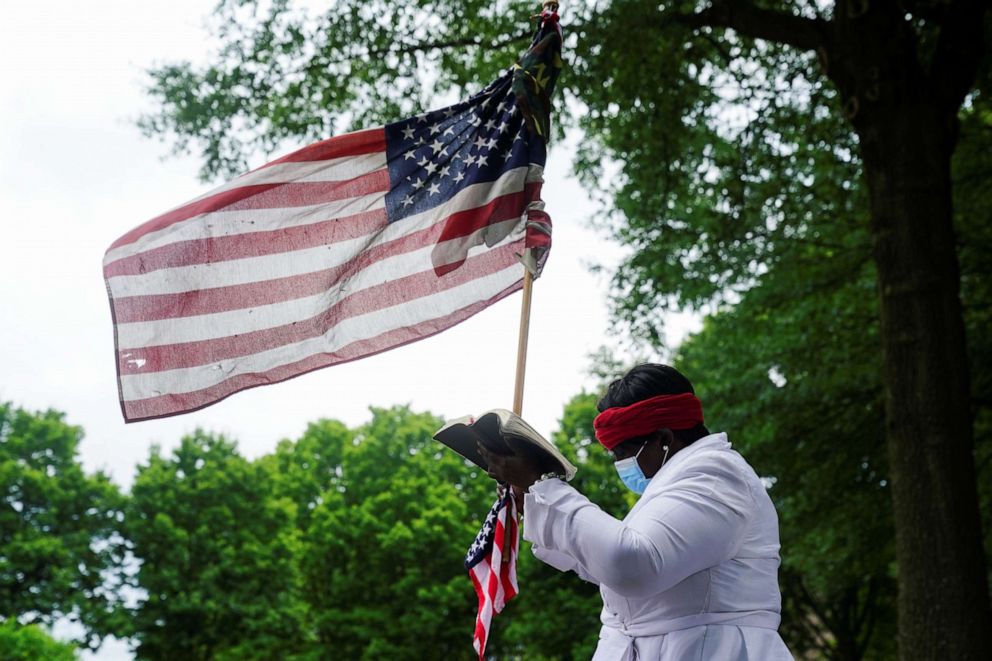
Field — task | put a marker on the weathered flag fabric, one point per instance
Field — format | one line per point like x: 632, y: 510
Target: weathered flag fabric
x: 492, y: 565
x: 345, y: 248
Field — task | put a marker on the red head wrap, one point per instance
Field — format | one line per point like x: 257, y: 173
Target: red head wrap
x: 616, y: 425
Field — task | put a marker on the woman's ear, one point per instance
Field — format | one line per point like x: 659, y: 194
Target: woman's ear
x: 666, y: 437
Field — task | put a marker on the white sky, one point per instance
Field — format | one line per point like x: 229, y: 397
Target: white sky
x: 75, y: 174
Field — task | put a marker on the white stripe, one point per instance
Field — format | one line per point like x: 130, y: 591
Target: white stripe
x: 257, y: 269
x: 407, y: 315
x: 135, y: 335
x: 333, y: 169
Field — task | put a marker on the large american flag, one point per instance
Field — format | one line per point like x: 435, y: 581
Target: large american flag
x: 345, y: 248
x: 492, y: 565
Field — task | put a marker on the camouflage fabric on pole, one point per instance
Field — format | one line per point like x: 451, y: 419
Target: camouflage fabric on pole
x: 536, y: 73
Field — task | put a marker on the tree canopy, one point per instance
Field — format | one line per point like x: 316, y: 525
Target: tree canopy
x: 30, y: 643
x: 61, y: 549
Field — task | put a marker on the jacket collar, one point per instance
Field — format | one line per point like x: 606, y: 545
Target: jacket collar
x: 713, y: 442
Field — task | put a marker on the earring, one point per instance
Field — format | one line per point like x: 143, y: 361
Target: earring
x: 665, y: 458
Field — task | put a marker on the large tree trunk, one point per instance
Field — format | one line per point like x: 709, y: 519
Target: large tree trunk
x: 943, y: 593
x: 903, y: 106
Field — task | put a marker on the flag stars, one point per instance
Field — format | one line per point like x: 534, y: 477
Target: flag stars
x: 435, y: 151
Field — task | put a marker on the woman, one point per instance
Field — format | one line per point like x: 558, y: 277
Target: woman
x: 692, y: 571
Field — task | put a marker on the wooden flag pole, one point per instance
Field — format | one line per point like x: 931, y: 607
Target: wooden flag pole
x: 518, y: 388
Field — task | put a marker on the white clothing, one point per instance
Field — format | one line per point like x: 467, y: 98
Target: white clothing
x: 691, y: 573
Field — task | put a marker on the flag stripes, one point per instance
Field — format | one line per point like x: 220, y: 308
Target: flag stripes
x: 345, y: 146
x: 169, y: 404
x: 492, y: 566
x: 212, y: 348
x: 250, y: 244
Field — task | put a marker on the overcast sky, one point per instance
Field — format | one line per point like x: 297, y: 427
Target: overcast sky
x: 75, y: 174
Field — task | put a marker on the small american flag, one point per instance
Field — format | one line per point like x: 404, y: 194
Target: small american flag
x: 492, y: 565
x: 343, y: 249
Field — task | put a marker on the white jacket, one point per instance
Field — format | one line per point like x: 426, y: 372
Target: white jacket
x: 690, y: 573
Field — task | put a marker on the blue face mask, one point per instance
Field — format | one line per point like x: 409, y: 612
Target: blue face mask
x: 631, y: 474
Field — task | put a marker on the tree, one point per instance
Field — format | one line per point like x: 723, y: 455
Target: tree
x: 718, y: 177
x: 218, y: 553
x: 386, y: 543
x: 61, y: 553
x: 30, y: 643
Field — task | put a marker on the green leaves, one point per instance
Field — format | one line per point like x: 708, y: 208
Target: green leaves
x: 61, y: 553
x: 218, y: 551
x: 30, y: 643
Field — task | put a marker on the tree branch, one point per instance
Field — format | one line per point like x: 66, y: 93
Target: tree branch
x: 416, y: 47
x: 750, y: 21
x: 959, y: 51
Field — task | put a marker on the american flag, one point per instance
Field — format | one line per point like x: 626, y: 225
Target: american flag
x: 343, y: 249
x: 492, y: 565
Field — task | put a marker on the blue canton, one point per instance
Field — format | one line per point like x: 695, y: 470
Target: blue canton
x: 434, y: 155
x: 483, y: 543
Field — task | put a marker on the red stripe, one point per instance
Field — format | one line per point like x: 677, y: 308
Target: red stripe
x: 166, y: 405
x: 309, y: 193
x: 481, y: 632
x: 494, y: 577
x: 236, y: 297
x: 463, y: 223
x: 509, y: 561
x: 493, y: 586
x: 349, y: 144
x: 388, y: 294
x: 370, y: 183
x: 252, y: 244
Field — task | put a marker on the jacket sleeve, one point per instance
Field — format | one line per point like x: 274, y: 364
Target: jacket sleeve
x: 692, y: 523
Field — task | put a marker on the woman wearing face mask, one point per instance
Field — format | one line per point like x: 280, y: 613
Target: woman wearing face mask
x: 692, y: 571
